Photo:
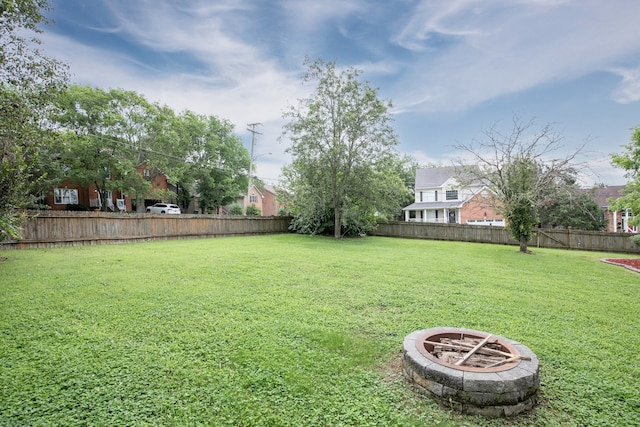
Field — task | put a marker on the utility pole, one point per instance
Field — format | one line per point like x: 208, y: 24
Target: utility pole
x: 254, y: 132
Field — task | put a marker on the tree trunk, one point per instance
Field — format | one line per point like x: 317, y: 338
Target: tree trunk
x: 337, y: 223
x: 140, y: 207
x: 523, y: 244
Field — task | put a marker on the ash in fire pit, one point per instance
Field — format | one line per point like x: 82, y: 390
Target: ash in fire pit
x: 472, y: 371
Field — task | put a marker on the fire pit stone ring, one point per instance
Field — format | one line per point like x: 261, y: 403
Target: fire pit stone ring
x: 504, y: 388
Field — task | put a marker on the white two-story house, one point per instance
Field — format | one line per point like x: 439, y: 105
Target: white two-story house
x: 440, y: 198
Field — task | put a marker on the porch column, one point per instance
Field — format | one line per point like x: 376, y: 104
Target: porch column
x: 406, y: 216
x: 615, y: 221
x: 424, y: 215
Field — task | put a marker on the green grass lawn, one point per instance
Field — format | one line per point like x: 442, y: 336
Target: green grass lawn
x: 296, y: 330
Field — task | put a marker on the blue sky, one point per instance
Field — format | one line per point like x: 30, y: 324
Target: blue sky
x: 452, y: 68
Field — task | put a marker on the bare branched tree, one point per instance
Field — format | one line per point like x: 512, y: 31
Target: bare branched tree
x: 520, y: 171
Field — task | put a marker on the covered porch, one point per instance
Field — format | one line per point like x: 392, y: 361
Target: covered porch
x: 443, y: 213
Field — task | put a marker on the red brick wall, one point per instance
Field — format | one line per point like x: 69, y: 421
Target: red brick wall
x: 478, y: 208
x: 269, y: 204
x: 85, y: 194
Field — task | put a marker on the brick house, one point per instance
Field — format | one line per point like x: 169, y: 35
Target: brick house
x: 69, y: 193
x: 618, y: 221
x: 440, y: 198
x: 72, y: 193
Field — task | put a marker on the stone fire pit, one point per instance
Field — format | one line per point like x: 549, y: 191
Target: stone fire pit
x: 471, y: 371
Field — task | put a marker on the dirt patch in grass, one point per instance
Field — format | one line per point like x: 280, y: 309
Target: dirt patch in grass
x: 392, y: 369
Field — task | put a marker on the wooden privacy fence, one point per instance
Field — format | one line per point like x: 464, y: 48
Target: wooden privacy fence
x: 542, y: 238
x: 64, y: 228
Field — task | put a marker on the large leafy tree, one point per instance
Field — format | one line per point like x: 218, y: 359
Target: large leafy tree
x: 518, y: 168
x: 576, y: 209
x: 110, y: 133
x: 28, y: 80
x: 630, y: 162
x: 343, y: 176
x: 217, y: 160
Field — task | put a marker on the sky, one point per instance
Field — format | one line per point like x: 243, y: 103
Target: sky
x: 453, y: 69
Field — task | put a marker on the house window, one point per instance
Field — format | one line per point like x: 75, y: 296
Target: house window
x: 146, y: 173
x: 436, y: 195
x: 452, y: 195
x: 421, y: 196
x: 253, y: 199
x: 65, y: 196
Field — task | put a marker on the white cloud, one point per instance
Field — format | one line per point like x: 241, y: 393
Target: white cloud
x: 599, y: 171
x: 310, y: 16
x: 470, y: 51
x: 441, y: 17
x: 629, y: 89
x: 205, y: 32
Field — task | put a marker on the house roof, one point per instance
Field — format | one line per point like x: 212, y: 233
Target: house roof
x: 435, y: 177
x: 433, y: 205
x: 601, y: 195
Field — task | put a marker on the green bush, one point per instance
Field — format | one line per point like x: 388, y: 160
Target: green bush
x: 236, y: 210
x: 253, y: 210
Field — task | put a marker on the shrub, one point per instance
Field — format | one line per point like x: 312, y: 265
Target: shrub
x: 253, y: 210
x: 236, y: 210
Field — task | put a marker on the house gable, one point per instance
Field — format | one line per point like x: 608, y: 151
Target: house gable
x: 264, y: 198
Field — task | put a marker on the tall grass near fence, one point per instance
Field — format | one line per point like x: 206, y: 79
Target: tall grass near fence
x: 301, y: 331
